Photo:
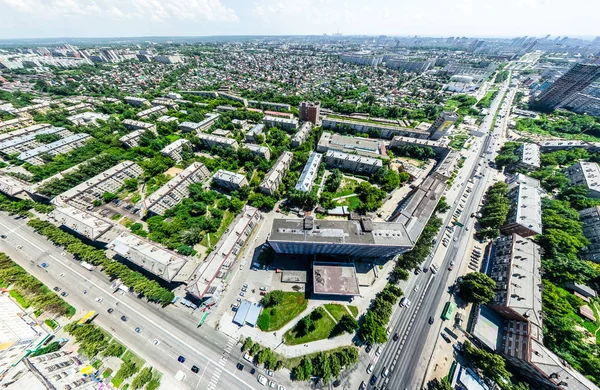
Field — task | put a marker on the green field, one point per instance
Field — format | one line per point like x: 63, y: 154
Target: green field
x: 336, y: 310
x: 322, y: 329
x: 354, y: 310
x: 292, y: 305
x: 346, y: 188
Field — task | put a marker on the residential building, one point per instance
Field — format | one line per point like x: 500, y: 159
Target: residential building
x: 176, y: 189
x: 363, y: 238
x: 309, y: 173
x: 222, y: 133
x: 83, y: 195
x: 132, y: 139
x: 408, y: 64
x: 525, y: 215
x: 167, y: 119
x: 579, y: 77
x: 24, y: 131
x: 168, y: 59
x: 280, y: 123
x: 269, y: 105
x: 582, y: 103
x: 210, y: 141
x: 207, y: 281
x: 36, y: 156
x: 585, y: 174
x: 12, y: 186
x: 211, y: 118
x: 275, y: 176
x: 352, y: 162
x: 310, y: 112
x: 442, y: 125
x: 262, y: 151
x: 153, y: 258
x: 18, y: 333
x: 229, y: 180
x: 302, y: 134
x: 138, y: 125
x: 14, y: 145
x: 78, y: 107
x: 382, y: 128
x: 591, y: 230
x: 356, y: 145
x: 253, y: 132
x: 81, y: 222
x: 16, y: 123
x: 136, y: 101
x: 225, y: 108
x: 529, y: 156
x: 169, y: 103
x: 87, y: 118
x: 235, y: 98
x: 176, y: 149
x: 154, y: 110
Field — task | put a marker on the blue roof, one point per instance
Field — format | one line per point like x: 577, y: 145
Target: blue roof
x: 252, y: 316
x: 242, y: 311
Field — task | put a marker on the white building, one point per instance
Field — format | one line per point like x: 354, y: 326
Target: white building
x: 585, y: 174
x: 210, y: 141
x: 229, y: 180
x: 15, y: 123
x: 309, y: 173
x: 24, y: 131
x: 87, y: 118
x: 62, y: 146
x: 302, y: 134
x: 352, y: 162
x: 81, y: 222
x: 176, y: 148
x: 138, y: 125
x: 155, y: 110
x: 253, y: 132
x: 262, y: 151
x: 529, y: 156
x: 211, y: 118
x: 275, y: 176
x: 280, y: 123
x: 13, y: 145
x: 136, y: 101
x: 12, y: 186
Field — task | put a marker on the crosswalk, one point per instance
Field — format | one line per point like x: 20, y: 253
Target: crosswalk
x: 220, y: 365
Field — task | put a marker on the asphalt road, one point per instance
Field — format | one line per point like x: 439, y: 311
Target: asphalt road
x: 174, y: 327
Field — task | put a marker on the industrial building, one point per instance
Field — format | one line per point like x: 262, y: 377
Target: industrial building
x: 176, y: 149
x: 310, y: 112
x: 210, y: 141
x: 81, y: 222
x: 280, y: 123
x: 207, y: 281
x: 273, y: 178
x: 253, y: 132
x: 262, y: 151
x: 358, y: 238
x: 529, y: 156
x: 356, y: 145
x: 36, y: 156
x: 525, y: 215
x: 302, y: 134
x: 176, y: 189
x: 585, y: 174
x: 229, y: 180
x: 83, y: 195
x: 151, y: 257
x: 309, y: 173
x: 352, y: 162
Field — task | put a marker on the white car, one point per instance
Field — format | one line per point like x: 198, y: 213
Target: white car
x: 378, y: 352
x: 416, y: 288
x: 272, y: 384
x: 262, y: 380
x: 61, y: 274
x: 280, y: 387
x: 155, y: 342
x: 269, y: 373
x: 98, y: 299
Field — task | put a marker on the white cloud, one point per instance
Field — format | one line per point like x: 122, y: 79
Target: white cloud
x: 155, y: 10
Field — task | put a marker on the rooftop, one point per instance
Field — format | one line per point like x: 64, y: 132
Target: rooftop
x: 335, y: 279
x: 82, y: 222
x: 309, y: 173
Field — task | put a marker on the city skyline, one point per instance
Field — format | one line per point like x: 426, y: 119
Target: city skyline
x: 29, y: 19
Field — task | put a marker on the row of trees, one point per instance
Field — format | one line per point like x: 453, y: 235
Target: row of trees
x: 494, y: 210
x: 22, y: 207
x: 373, y: 327
x: 415, y: 257
x: 93, y: 341
x: 563, y: 125
x: 150, y: 289
x: 325, y: 365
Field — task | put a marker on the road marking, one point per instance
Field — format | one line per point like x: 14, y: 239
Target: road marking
x: 117, y: 299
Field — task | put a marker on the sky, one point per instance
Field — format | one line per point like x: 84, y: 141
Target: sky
x: 127, y: 18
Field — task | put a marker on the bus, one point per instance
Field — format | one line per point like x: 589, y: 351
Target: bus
x: 448, y: 309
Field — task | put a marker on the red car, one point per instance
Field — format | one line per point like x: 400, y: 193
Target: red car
x: 263, y: 293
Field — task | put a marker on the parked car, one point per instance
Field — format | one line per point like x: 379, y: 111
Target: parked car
x: 64, y: 293
x: 57, y: 289
x: 262, y: 380
x: 240, y: 366
x: 368, y: 349
x: 431, y: 319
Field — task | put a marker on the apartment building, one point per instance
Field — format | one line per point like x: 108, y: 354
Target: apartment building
x: 176, y: 149
x: 352, y: 162
x: 384, y: 128
x: 12, y: 186
x: 356, y: 145
x: 275, y: 176
x: 210, y: 141
x: 176, y: 189
x: 81, y: 222
x: 309, y: 173
x: 132, y: 139
x: 229, y: 180
x: 36, y: 156
x: 16, y: 123
x: 262, y: 151
x: 591, y: 230
x: 7, y: 136
x: 87, y: 118
x: 585, y: 174
x: 154, y: 110
x: 529, y: 156
x: 207, y: 281
x: 310, y: 112
x: 84, y: 194
x: 579, y: 77
x: 169, y: 103
x: 280, y: 123
x: 138, y: 125
x: 199, y: 127
x: 136, y: 101
x: 253, y: 132
x: 20, y: 144
x: 302, y: 134
x: 525, y: 215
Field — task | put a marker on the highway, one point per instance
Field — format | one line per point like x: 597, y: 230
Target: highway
x: 408, y: 358
x: 175, y: 328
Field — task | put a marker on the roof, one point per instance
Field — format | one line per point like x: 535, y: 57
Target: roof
x: 195, y: 172
x: 14, y: 326
x: 227, y: 176
x: 335, y: 279
x: 175, y: 145
x: 48, y: 148
x: 309, y: 173
x: 526, y: 207
x: 11, y: 185
x: 590, y: 172
x: 247, y: 313
x: 354, y: 157
x: 82, y: 222
x: 530, y: 154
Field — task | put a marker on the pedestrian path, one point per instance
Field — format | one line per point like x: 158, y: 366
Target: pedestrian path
x: 220, y: 365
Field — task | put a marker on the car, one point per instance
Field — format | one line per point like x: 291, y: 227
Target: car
x: 61, y: 274
x: 262, y: 380
x: 446, y: 338
x: 280, y: 387
x: 269, y: 373
x: 57, y: 289
x: 242, y: 293
x: 385, y: 372
x: 431, y: 319
x: 239, y: 299
x: 455, y: 239
x: 138, y: 330
x: 110, y: 310
x: 3, y: 236
x: 195, y: 369
x: 263, y: 293
x: 244, y: 289
x: 123, y: 318
x: 253, y: 371
x: 370, y: 369
x: 155, y: 342
x: 64, y: 293
x: 416, y: 288
x: 240, y: 366
x: 363, y: 385
x: 245, y: 286
x: 396, y: 337
x: 388, y: 330
x: 43, y: 265
x: 99, y: 300
x: 417, y: 271
x: 373, y: 380
x: 369, y: 348
x: 272, y: 384
x: 263, y: 288
x: 181, y: 359
x: 378, y: 352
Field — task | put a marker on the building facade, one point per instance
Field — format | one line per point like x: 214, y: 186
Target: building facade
x: 585, y: 174
x: 579, y: 77
x: 176, y: 149
x: 352, y: 162
x: 275, y: 176
x: 309, y: 173
x: 310, y: 112
x: 302, y: 134
x: 229, y: 180
x: 210, y: 141
x: 525, y: 214
x: 280, y: 123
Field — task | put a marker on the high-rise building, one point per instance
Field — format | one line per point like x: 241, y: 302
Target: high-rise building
x: 310, y: 112
x: 562, y: 90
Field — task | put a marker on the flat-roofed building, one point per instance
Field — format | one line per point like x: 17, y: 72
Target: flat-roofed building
x: 14, y: 145
x: 275, y: 176
x: 151, y: 257
x: 16, y: 123
x: 260, y: 150
x: 384, y: 128
x: 525, y: 215
x: 269, y: 105
x: 225, y: 108
x: 138, y: 125
x: 176, y: 149
x: 310, y: 112
x: 136, y: 101
x: 176, y: 189
x: 529, y: 156
x: 169, y: 103
x: 81, y: 222
x: 235, y: 98
x: 222, y: 133
x: 302, y: 134
x: 229, y: 180
x: 445, y: 169
x: 12, y: 186
x: 280, y: 123
x: 352, y: 162
x: 309, y: 173
x: 357, y: 145
x: 199, y: 127
x: 84, y: 194
x: 18, y: 333
x: 36, y: 156
x: 443, y: 124
x: 87, y: 118
x: 167, y: 119
x: 154, y: 110
x: 363, y: 238
x: 585, y: 174
x: 131, y: 140
x: 253, y: 132
x: 24, y: 131
x: 335, y: 279
x: 210, y: 141
x: 208, y: 278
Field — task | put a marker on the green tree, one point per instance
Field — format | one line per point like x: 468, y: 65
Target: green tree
x: 248, y: 343
x: 491, y: 365
x: 347, y: 323
x: 437, y: 384
x: 142, y: 378
x: 477, y: 287
x: 273, y: 298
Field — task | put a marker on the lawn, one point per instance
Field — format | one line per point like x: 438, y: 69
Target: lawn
x: 51, y: 323
x: 292, y: 305
x: 117, y: 381
x: 228, y: 217
x: 172, y: 137
x: 20, y: 299
x: 347, y: 187
x: 458, y: 141
x: 130, y: 356
x: 352, y: 202
x: 107, y: 373
x: 353, y: 310
x: 336, y: 310
x: 322, y: 328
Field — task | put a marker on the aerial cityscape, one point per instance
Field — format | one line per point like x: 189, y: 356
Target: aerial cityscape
x: 201, y: 194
